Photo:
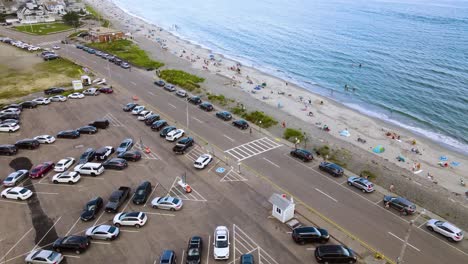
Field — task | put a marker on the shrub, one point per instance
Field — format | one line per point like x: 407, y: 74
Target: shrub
x: 260, y: 118
x: 368, y: 174
x: 182, y: 79
x: 290, y: 134
x: 238, y: 111
x: 220, y: 99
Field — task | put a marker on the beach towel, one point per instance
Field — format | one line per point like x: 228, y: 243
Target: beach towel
x: 345, y: 133
x: 378, y: 149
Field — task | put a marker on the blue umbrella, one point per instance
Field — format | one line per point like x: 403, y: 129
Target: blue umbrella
x: 455, y: 163
x: 443, y: 158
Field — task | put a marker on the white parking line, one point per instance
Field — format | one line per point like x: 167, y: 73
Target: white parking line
x: 133, y: 83
x: 72, y: 226
x: 271, y: 162
x: 198, y: 120
x: 209, y: 246
x: 228, y: 138
x: 102, y: 243
x: 404, y: 241
x: 422, y: 224
x: 46, y: 233
x: 379, y: 201
x: 45, y: 193
x: 151, y: 93
x: 71, y: 256
x: 129, y: 231
x: 310, y: 248
x: 17, y: 242
x: 172, y: 105
x: 326, y: 194
x: 154, y: 189
x: 95, y: 222
x: 183, y: 255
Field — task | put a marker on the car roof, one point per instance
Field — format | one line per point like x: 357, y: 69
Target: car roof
x: 102, y: 228
x: 17, y: 189
x: 451, y: 227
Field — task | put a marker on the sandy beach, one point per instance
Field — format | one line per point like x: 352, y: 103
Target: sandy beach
x: 295, y: 106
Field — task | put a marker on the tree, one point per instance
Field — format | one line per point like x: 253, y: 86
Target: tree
x: 71, y: 19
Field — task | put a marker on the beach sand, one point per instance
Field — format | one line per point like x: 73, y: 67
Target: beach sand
x: 292, y: 104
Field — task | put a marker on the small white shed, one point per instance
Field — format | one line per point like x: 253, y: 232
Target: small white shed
x: 283, y: 209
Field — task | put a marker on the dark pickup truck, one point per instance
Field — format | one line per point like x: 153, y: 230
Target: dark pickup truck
x: 117, y: 198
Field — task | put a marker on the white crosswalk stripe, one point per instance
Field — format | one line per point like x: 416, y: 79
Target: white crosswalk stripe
x: 252, y: 148
x: 48, y: 43
x: 244, y: 244
x: 113, y: 120
x: 177, y: 191
x: 232, y: 176
x: 145, y: 155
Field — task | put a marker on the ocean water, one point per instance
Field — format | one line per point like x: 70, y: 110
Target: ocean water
x: 413, y: 54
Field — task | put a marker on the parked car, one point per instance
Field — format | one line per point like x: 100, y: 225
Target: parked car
x: 247, y: 259
x: 42, y: 256
x: 399, y: 203
x: 302, y: 154
x: 29, y: 104
x: 169, y: 87
x: 64, y: 164
x: 142, y: 193
x: 151, y: 119
x: 126, y: 144
x: 181, y: 93
x: 91, y: 209
x: 89, y: 168
x: 167, y: 203
x: 54, y: 90
x: 10, y: 121
x: 16, y: 193
x: 224, y: 115
x: 102, y: 123
x: 310, y: 234
x: 158, y: 125
x: 77, y: 244
x: 70, y: 177
x: 87, y: 156
x: 76, y: 96
x: 194, y: 250
x: 221, y: 243
x: 91, y: 91
x: 129, y: 107
x: 9, y: 127
x: 27, y: 144
x: 125, y: 65
x: 182, y: 145
x: 175, y: 134
x: 16, y: 106
x: 8, y: 150
x: 334, y: 254
x: 195, y: 100
x: 104, y: 153
x: 15, y: 111
x: 104, y: 232
x: 144, y: 114
x: 41, y: 169
x: 136, y: 219
x: 361, y: 183
x: 137, y: 109
x: 87, y: 130
x: 45, y: 139
x: 208, y: 107
x: 117, y: 198
x: 42, y: 101
x: 203, y: 161
x: 68, y: 134
x: 448, y: 230
x: 168, y: 257
x: 242, y: 124
x: 58, y: 98
x: 15, y: 177
x: 106, y: 90
x: 50, y: 56
x: 9, y: 116
x: 160, y: 83
x: 115, y: 163
x: 166, y: 130
x: 331, y: 168
x: 134, y: 155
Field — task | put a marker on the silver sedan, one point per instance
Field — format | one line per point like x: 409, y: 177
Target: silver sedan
x: 105, y: 232
x: 167, y: 203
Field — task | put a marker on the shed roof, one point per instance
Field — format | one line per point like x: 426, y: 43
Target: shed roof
x: 281, y: 202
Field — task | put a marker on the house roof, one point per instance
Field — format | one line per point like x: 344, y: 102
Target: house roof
x: 281, y: 202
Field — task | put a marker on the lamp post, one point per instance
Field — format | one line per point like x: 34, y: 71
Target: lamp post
x: 260, y: 126
x: 408, y: 232
x: 305, y: 140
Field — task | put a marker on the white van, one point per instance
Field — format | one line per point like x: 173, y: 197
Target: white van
x: 181, y: 93
x: 89, y: 168
x: 91, y: 91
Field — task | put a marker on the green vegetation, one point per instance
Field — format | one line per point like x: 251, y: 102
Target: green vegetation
x: 290, y: 134
x: 368, y: 174
x: 95, y: 15
x: 238, y: 111
x: 72, y: 19
x: 257, y: 117
x: 324, y: 150
x: 62, y: 66
x: 219, y: 99
x: 182, y: 79
x: 127, y: 50
x: 43, y: 29
x: 338, y: 156
x: 105, y: 23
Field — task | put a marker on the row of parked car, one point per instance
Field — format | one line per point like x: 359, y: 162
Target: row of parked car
x: 109, y: 57
x: 20, y: 44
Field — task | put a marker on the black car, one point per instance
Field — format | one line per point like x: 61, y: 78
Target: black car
x: 9, y: 116
x: 182, y: 145
x: 115, y: 163
x: 242, y: 124
x: 334, y: 254
x: 399, y: 203
x: 158, y: 125
x: 133, y: 155
x: 27, y: 144
x: 331, y: 168
x: 168, y: 257
x: 117, y: 61
x: 194, y: 250
x: 247, y: 259
x: 54, y: 90
x: 151, y: 119
x: 76, y: 244
x: 166, y: 130
x: 129, y: 107
x: 29, y: 104
x: 309, y: 234
x: 208, y: 107
x: 50, y: 56
x: 160, y: 83
x: 302, y: 154
x: 87, y: 156
x: 103, y: 123
x: 142, y: 193
x: 224, y: 115
x: 87, y: 130
x: 68, y: 134
x: 8, y: 150
x: 194, y: 100
x: 91, y: 209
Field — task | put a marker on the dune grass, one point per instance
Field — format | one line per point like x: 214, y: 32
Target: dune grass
x: 182, y: 79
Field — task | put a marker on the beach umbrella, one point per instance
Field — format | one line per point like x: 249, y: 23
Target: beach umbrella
x: 378, y: 149
x: 455, y: 163
x: 443, y: 158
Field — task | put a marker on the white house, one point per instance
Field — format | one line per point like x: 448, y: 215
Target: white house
x: 75, y: 6
x: 8, y: 7
x: 283, y: 209
x: 55, y: 7
x: 33, y: 12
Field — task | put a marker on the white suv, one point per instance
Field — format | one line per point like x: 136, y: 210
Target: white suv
x: 144, y: 114
x: 221, y: 243
x: 174, y: 135
x: 136, y: 219
x: 446, y: 229
x: 138, y: 109
x: 89, y: 168
x: 64, y: 164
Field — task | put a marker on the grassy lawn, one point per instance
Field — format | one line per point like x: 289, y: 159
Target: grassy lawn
x: 128, y: 51
x: 182, y: 79
x: 43, y: 29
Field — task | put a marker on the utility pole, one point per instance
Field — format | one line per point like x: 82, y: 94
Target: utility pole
x: 408, y: 232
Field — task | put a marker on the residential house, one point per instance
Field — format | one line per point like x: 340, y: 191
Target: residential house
x: 56, y: 8
x: 8, y: 6
x: 33, y: 12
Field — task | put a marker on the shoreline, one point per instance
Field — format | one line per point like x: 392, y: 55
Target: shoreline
x: 336, y: 114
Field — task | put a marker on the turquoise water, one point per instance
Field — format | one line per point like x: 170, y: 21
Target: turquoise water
x: 413, y: 54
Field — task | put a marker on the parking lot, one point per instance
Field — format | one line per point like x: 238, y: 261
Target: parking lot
x: 217, y: 198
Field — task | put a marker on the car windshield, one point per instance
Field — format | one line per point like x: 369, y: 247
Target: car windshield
x: 91, y: 207
x: 112, y: 229
x: 193, y: 252
x: 10, y: 178
x: 23, y: 191
x: 36, y: 170
x: 346, y: 252
x: 52, y: 255
x: 141, y: 192
x: 221, y: 243
x: 123, y: 145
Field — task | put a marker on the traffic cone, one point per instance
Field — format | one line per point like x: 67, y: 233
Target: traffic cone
x: 135, y: 98
x: 147, y: 150
x: 188, y: 189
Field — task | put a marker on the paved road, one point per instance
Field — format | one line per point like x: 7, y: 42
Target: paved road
x: 363, y: 215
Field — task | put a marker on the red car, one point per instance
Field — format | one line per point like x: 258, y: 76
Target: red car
x: 41, y: 169
x: 107, y: 90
